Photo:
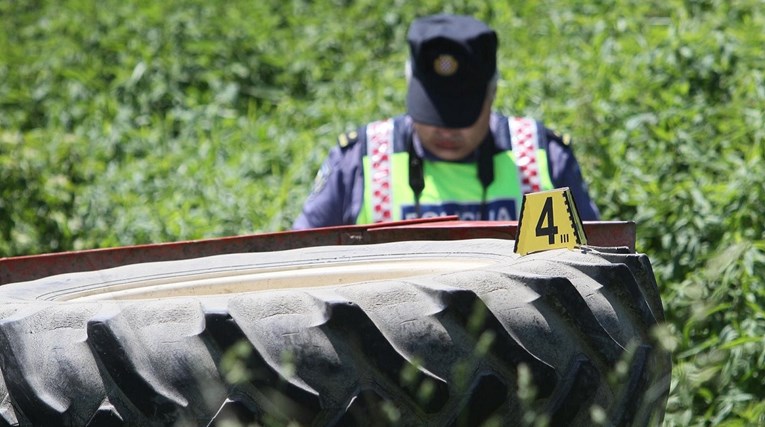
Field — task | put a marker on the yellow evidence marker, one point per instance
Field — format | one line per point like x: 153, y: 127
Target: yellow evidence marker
x: 549, y: 220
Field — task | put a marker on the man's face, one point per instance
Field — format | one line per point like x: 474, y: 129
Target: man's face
x: 455, y: 144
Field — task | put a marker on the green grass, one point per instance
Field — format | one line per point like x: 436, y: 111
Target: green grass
x: 139, y: 121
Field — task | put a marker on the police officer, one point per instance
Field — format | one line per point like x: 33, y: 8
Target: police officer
x: 450, y: 154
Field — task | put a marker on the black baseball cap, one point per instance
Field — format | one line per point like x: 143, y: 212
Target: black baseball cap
x: 453, y: 59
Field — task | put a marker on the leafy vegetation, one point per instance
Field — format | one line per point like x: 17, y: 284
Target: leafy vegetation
x: 139, y: 121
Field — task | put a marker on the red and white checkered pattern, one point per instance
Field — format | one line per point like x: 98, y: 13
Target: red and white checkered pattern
x: 523, y: 136
x: 379, y: 151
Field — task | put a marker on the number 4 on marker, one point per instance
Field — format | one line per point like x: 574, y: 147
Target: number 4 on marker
x: 547, y: 217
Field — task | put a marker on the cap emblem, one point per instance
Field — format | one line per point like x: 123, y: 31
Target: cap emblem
x: 445, y: 65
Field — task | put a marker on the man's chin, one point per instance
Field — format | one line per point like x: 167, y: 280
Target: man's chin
x: 450, y: 154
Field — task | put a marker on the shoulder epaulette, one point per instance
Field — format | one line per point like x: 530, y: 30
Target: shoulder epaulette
x: 562, y: 139
x: 347, y: 139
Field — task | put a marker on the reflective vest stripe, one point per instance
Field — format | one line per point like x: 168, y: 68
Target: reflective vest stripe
x: 386, y: 191
x: 523, y: 136
x: 379, y: 151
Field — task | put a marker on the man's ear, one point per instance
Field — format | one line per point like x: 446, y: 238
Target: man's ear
x: 492, y: 94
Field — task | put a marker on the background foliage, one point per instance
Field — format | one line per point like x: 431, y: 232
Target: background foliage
x: 134, y: 121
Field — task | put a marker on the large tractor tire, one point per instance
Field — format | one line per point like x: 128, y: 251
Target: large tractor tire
x: 413, y: 333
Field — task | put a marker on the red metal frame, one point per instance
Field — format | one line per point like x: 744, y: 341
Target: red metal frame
x: 24, y: 268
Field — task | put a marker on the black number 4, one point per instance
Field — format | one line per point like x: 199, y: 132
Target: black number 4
x: 551, y: 230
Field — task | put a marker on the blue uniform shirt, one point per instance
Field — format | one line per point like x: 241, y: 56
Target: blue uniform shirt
x: 339, y: 186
